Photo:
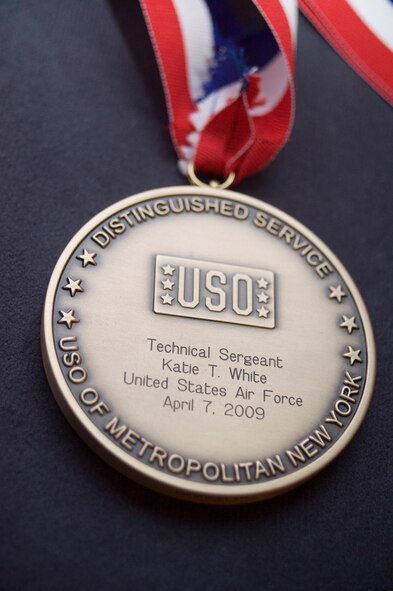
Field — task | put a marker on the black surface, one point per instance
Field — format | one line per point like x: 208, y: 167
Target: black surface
x: 83, y: 124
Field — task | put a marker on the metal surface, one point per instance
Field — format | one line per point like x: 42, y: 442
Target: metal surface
x: 207, y: 344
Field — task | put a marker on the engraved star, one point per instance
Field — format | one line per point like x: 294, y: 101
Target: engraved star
x: 73, y: 286
x: 263, y: 312
x: 167, y: 299
x: 337, y: 293
x: 349, y: 323
x: 67, y: 318
x: 353, y: 355
x: 168, y: 284
x: 87, y: 258
x: 168, y: 270
x: 262, y: 283
x: 262, y: 297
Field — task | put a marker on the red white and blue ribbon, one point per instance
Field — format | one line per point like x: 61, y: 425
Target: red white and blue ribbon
x: 227, y: 68
x: 362, y: 32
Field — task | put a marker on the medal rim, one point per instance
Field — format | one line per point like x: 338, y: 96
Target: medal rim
x: 149, y: 476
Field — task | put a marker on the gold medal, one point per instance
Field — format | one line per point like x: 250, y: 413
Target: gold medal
x: 207, y: 344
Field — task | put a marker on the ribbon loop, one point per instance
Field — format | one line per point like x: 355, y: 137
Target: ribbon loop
x: 227, y: 67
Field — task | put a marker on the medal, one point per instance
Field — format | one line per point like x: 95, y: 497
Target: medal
x: 202, y: 341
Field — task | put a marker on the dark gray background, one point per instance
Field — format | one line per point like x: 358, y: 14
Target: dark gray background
x: 83, y: 124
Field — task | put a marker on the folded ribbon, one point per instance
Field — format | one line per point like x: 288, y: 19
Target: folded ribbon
x: 362, y: 33
x: 227, y: 68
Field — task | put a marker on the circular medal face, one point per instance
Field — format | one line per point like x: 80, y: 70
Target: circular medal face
x: 207, y: 344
